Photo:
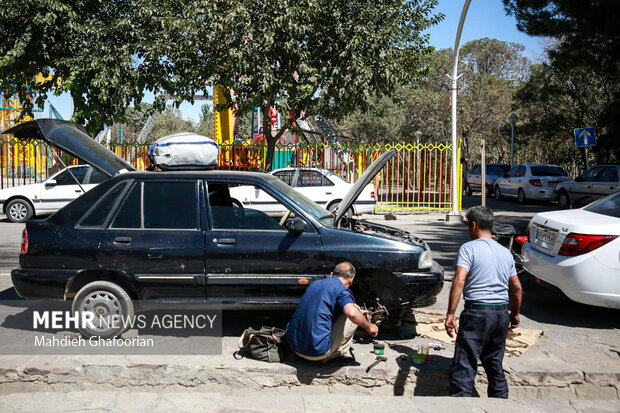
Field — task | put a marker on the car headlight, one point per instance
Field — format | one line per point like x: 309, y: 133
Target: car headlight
x: 425, y: 260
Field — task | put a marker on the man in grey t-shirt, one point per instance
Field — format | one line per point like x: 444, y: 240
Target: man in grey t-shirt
x: 485, y: 274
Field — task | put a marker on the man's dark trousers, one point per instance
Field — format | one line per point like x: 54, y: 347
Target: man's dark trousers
x: 482, y: 334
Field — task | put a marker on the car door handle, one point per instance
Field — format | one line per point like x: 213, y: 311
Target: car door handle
x: 78, y: 190
x: 328, y: 193
x: 122, y: 240
x: 155, y: 256
x: 226, y: 241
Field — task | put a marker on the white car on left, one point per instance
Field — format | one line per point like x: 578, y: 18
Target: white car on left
x: 578, y: 251
x: 21, y: 203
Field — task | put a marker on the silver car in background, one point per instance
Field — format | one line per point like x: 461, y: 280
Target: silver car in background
x: 530, y: 181
x: 595, y: 183
x: 473, y: 182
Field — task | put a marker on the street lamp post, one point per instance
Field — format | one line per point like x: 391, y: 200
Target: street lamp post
x: 454, y: 215
x: 417, y: 135
x: 513, y: 118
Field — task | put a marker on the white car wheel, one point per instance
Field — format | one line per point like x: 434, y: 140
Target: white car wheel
x: 19, y: 210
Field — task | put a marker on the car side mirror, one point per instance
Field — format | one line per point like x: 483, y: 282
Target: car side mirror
x: 296, y: 225
x: 578, y: 179
x: 506, y: 176
x: 51, y: 182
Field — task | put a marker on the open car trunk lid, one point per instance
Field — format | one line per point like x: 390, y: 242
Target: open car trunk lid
x: 368, y: 175
x: 72, y: 139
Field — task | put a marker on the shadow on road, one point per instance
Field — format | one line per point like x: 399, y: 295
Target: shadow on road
x: 549, y: 306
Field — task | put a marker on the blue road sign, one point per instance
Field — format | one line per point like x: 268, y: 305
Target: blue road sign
x: 585, y: 137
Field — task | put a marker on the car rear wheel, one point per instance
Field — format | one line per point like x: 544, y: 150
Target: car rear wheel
x: 19, y: 210
x: 498, y: 192
x: 468, y: 190
x: 110, y: 306
x: 521, y: 196
x: 563, y: 200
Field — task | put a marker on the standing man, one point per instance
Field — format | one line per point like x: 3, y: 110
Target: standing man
x: 327, y: 317
x: 485, y: 273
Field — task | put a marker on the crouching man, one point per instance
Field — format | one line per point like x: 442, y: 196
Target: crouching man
x: 327, y: 317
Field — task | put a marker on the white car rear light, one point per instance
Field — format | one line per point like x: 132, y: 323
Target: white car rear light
x: 578, y: 244
x: 372, y: 195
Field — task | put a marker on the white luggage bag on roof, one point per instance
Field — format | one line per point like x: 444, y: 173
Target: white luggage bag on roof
x: 183, y: 151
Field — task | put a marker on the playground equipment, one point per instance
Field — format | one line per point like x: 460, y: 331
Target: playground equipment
x: 20, y: 163
x: 223, y: 120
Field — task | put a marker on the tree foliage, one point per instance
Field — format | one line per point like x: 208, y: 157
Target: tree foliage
x: 326, y: 57
x: 579, y: 84
x: 491, y: 72
x: 105, y: 54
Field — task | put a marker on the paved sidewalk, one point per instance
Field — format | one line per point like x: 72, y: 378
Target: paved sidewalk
x: 93, y: 401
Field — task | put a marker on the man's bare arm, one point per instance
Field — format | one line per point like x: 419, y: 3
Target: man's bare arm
x: 455, y: 297
x: 354, y: 314
x: 516, y: 295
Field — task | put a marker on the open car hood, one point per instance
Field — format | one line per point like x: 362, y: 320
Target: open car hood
x: 368, y: 175
x: 72, y: 139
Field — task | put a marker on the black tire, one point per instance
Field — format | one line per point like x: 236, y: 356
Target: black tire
x: 497, y: 192
x: 563, y: 200
x: 333, y: 207
x: 468, y: 190
x: 105, y: 299
x: 521, y: 196
x: 19, y: 210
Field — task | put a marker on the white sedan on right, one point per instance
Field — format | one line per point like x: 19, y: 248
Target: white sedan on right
x: 530, y: 181
x: 578, y: 251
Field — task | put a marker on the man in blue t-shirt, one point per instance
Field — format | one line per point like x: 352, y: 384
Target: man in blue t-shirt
x: 485, y: 274
x: 327, y: 317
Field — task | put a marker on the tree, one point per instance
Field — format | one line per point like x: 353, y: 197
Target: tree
x: 491, y: 72
x: 105, y: 54
x: 205, y: 125
x: 586, y: 51
x: 326, y: 57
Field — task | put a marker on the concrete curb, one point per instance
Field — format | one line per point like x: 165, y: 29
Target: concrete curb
x: 193, y: 374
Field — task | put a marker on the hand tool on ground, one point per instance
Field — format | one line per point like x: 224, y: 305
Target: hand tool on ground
x: 377, y: 361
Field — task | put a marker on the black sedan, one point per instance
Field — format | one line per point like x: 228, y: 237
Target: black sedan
x: 178, y: 237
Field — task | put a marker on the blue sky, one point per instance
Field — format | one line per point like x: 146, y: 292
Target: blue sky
x: 485, y: 18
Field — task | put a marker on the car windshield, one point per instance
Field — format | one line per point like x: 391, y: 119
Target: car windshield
x: 497, y: 169
x: 547, y: 170
x: 609, y: 206
x: 334, y: 175
x: 305, y: 203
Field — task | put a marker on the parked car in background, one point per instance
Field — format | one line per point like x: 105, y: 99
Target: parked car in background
x: 473, y: 180
x: 21, y: 203
x: 530, y: 181
x: 596, y: 183
x: 320, y: 185
x: 577, y: 251
x: 177, y: 237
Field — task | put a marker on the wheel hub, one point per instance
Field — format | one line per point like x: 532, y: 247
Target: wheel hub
x: 104, y: 306
x: 18, y: 211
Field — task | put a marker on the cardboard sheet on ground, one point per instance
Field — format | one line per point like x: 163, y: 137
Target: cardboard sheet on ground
x: 431, y: 325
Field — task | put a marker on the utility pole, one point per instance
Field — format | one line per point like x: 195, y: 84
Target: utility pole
x: 483, y: 165
x: 455, y: 215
